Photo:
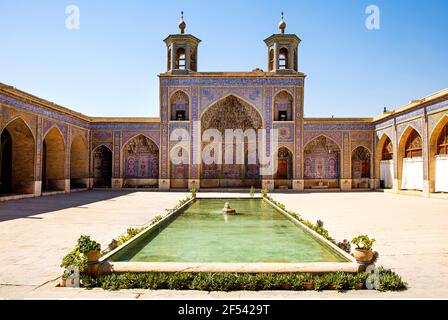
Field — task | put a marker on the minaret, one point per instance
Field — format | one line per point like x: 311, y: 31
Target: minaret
x: 182, y: 56
x: 282, y: 50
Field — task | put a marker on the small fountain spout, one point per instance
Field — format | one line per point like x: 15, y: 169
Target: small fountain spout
x: 228, y: 209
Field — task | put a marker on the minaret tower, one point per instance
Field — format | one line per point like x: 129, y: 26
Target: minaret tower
x: 182, y: 57
x: 282, y: 50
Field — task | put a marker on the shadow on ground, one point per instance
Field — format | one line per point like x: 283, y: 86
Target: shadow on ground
x: 27, y: 208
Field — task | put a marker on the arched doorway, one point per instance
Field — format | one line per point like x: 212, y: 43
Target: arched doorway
x: 79, y: 164
x: 361, y: 168
x: 386, y: 162
x: 17, y: 156
x: 140, y: 162
x: 237, y: 162
x: 283, y: 177
x: 438, y: 157
x: 6, y: 162
x: 53, y: 161
x: 411, y: 161
x: 321, y: 163
x: 102, y: 167
x: 179, y: 169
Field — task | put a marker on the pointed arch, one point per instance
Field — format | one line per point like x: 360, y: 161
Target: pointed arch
x: 79, y: 163
x: 384, y: 162
x: 231, y: 112
x: 140, y: 156
x: 53, y: 160
x: 180, y: 103
x: 179, y: 166
x: 283, y: 106
x: 410, y: 162
x: 17, y: 157
x: 284, y: 174
x: 361, y: 167
x: 438, y: 156
x: 223, y: 98
x: 322, y: 161
x: 102, y: 166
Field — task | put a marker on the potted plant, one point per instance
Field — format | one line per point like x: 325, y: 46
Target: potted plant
x: 363, y: 251
x: 89, y: 247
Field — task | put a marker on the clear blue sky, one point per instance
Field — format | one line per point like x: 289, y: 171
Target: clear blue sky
x: 109, y: 67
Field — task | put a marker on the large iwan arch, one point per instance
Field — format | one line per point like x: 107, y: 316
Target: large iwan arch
x: 231, y: 112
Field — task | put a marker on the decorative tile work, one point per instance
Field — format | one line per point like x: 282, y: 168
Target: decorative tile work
x: 346, y: 172
x: 416, y: 124
x: 174, y: 89
x: 38, y: 150
x: 361, y: 136
x: 434, y: 119
x: 116, y: 155
x: 335, y: 136
x: 268, y: 100
x: 277, y: 90
x: 408, y: 115
x: 96, y: 144
x: 182, y: 125
x: 48, y: 124
x: 298, y: 133
x: 77, y: 131
x: 141, y: 159
x: 194, y: 168
x: 164, y: 133
x: 102, y: 135
x: 212, y: 94
x: 42, y: 111
x: 437, y: 106
x: 125, y: 126
x: 10, y: 114
x: 285, y: 132
x: 387, y: 131
x: 128, y: 135
x: 321, y: 160
x: 361, y: 143
x: 384, y: 124
x: 324, y: 126
x: 231, y: 81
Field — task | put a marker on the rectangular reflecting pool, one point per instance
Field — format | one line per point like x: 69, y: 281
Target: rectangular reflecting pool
x: 202, y: 233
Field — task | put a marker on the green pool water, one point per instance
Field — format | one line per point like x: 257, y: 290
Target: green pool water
x: 202, y: 233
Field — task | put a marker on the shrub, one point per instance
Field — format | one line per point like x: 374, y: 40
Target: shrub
x: 228, y: 281
x: 345, y: 245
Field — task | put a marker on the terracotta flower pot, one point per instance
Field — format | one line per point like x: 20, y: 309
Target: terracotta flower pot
x: 93, y: 255
x: 363, y: 255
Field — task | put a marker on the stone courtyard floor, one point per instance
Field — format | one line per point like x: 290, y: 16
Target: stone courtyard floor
x: 411, y: 233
